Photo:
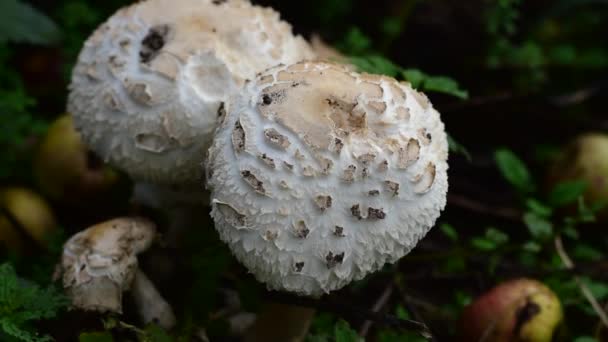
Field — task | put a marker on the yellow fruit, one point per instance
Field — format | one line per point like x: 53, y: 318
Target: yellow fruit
x: 585, y: 158
x: 68, y: 173
x: 31, y: 212
x: 518, y: 310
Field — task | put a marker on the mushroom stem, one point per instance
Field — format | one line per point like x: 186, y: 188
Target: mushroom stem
x: 281, y: 322
x: 99, y: 294
x: 151, y: 306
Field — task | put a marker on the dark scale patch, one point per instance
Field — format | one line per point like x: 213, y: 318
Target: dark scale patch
x: 153, y: 42
x: 267, y: 160
x: 525, y: 314
x: 392, y: 187
x: 298, y: 266
x: 332, y: 260
x: 238, y: 137
x: 375, y: 214
x: 269, y: 98
x: 218, y: 2
x: 252, y: 180
x: 301, y: 230
x: 221, y: 111
x: 338, y: 145
x: 373, y: 192
x: 323, y: 202
x: 355, y: 210
x: 339, y: 231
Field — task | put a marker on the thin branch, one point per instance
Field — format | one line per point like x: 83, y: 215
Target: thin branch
x: 343, y: 309
x: 561, y: 251
x: 482, y: 208
x: 378, y: 306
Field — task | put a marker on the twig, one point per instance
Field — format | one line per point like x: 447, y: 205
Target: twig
x: 559, y: 246
x: 411, y: 308
x: 330, y: 305
x: 380, y: 303
x: 479, y: 207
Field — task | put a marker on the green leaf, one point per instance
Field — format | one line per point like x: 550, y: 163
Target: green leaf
x: 456, y: 147
x: 375, y: 64
x: 539, y: 208
x: 532, y: 247
x: 446, y: 85
x: 401, y: 313
x: 23, y: 302
x: 539, y: 227
x: 99, y: 336
x: 566, y: 193
x: 20, y: 22
x: 344, y: 333
x: 514, y: 170
x: 586, y: 252
x: 355, y: 42
x: 585, y: 339
x: 449, y: 231
x: 154, y: 333
x: 497, y: 236
x: 415, y: 77
x: 483, y: 244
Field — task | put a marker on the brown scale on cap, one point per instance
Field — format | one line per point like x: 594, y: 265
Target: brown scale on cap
x: 253, y: 181
x: 392, y: 187
x: 238, y: 137
x: 323, y: 202
x: 355, y: 210
x: 267, y: 160
x: 301, y: 230
x: 332, y: 260
x: 425, y: 180
x: 408, y: 155
x: 339, y: 231
x: 349, y: 173
x: 276, y: 138
x: 373, y: 214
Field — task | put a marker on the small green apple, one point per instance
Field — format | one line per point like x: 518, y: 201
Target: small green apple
x: 586, y: 159
x: 516, y: 310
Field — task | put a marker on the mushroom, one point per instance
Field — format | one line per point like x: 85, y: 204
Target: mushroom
x: 100, y: 263
x: 150, y: 82
x: 361, y: 190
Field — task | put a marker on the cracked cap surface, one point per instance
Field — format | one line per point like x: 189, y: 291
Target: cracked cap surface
x: 320, y: 175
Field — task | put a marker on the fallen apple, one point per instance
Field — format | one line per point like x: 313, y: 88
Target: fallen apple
x: 586, y: 159
x: 516, y: 310
x: 70, y: 174
x: 23, y: 209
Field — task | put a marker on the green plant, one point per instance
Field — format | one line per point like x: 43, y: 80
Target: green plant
x: 22, y: 303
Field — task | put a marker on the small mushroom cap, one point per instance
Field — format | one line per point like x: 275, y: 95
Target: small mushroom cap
x: 99, y: 263
x: 149, y: 83
x: 320, y: 175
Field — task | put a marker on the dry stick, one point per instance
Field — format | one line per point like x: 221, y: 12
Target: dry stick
x: 350, y: 310
x: 559, y: 246
x: 380, y: 303
x: 479, y: 207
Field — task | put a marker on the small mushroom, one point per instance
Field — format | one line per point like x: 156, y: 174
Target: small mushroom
x: 373, y: 198
x: 100, y: 263
x: 150, y: 83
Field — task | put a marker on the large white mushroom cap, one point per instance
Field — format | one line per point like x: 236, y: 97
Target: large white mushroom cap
x: 320, y: 175
x: 150, y: 81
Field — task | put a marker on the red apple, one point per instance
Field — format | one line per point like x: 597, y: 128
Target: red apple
x: 516, y: 310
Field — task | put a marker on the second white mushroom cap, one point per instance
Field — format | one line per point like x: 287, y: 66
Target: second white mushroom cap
x: 149, y: 83
x: 320, y: 175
